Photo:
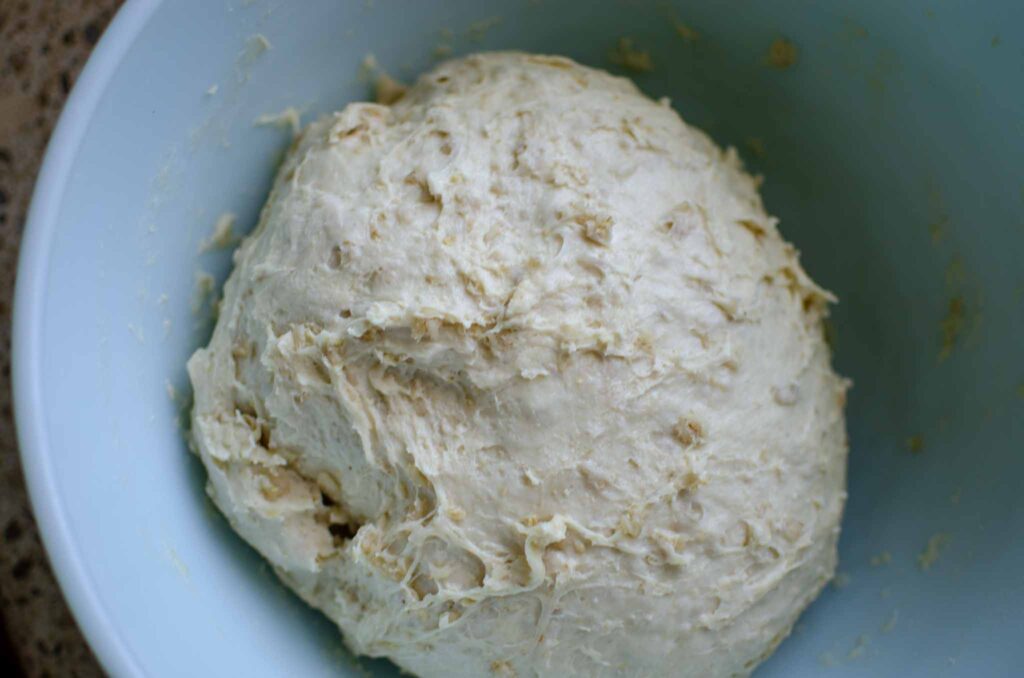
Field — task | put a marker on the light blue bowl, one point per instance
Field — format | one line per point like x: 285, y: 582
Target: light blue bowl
x: 894, y: 156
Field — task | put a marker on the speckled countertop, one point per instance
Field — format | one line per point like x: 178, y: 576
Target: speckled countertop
x: 43, y: 45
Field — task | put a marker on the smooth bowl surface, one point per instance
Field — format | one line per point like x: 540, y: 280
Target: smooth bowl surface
x: 893, y: 150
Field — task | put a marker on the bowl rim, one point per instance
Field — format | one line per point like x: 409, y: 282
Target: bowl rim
x: 30, y: 292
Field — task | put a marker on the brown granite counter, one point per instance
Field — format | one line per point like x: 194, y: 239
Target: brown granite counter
x: 43, y: 44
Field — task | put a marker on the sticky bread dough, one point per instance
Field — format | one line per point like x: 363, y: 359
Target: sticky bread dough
x: 517, y: 377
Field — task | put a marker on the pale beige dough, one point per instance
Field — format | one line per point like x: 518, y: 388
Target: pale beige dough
x: 516, y: 376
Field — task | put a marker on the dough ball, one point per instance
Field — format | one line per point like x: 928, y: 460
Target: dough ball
x: 517, y: 377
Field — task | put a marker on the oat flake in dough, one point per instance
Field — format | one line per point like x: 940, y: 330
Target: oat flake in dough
x: 517, y: 377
